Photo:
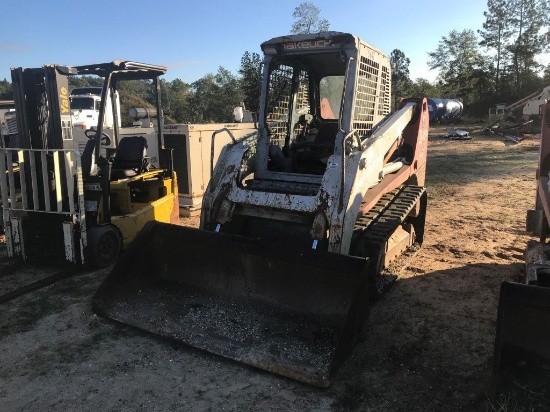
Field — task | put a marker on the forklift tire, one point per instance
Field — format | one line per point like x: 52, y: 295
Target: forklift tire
x: 104, y: 245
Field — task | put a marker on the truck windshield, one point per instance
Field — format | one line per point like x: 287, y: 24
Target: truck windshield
x: 82, y: 103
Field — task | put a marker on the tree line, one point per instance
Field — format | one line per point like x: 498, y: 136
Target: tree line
x: 212, y: 98
x: 502, y: 61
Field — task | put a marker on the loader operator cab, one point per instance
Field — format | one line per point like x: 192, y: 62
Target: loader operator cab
x: 304, y: 96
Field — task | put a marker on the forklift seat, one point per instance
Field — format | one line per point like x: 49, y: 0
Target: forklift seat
x: 130, y: 158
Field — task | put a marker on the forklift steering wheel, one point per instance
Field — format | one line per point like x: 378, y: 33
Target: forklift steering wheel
x: 105, y: 139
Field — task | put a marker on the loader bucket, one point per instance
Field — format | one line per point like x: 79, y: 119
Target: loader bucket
x: 289, y: 312
x: 521, y: 365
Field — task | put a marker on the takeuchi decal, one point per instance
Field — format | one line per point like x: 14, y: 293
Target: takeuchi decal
x: 307, y: 44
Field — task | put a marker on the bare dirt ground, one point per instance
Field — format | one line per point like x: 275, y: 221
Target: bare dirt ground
x: 430, y: 338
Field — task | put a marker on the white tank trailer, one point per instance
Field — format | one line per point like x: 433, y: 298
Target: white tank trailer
x: 444, y: 110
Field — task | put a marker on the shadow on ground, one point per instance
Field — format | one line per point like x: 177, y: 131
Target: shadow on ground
x: 429, y: 347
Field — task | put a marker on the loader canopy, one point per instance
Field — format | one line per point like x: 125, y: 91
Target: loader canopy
x: 292, y: 313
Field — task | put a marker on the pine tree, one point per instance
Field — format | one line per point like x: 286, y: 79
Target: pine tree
x: 459, y: 62
x: 308, y: 20
x: 250, y: 80
x: 400, y: 80
x: 496, y: 34
x: 526, y: 22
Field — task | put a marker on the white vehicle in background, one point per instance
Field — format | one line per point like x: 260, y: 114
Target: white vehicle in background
x: 532, y: 107
x: 85, y: 103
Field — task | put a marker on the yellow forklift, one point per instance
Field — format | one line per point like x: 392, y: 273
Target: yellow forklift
x: 68, y: 206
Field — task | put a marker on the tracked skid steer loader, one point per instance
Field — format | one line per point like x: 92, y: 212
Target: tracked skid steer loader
x: 298, y: 220
x: 521, y: 367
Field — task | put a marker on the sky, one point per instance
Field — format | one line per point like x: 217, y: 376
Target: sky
x: 194, y: 38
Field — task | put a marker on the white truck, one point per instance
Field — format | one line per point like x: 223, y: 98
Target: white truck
x: 8, y: 122
x: 85, y: 103
x: 532, y: 107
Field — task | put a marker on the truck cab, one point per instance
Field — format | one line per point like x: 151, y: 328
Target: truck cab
x: 85, y: 103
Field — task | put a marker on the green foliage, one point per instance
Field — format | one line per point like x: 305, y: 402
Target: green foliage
x: 85, y: 81
x: 134, y: 93
x: 502, y: 65
x: 215, y: 97
x: 495, y: 33
x: 423, y: 88
x: 176, y: 100
x: 210, y: 99
x: 527, y: 20
x: 462, y: 68
x: 400, y: 80
x: 250, y: 80
x: 6, y: 92
x: 515, y: 33
x: 307, y: 19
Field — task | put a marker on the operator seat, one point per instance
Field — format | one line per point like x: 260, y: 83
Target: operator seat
x: 130, y: 158
x: 327, y: 133
x: 312, y: 158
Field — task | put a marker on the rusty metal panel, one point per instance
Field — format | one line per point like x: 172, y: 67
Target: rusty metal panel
x: 11, y: 178
x: 45, y: 182
x: 69, y: 179
x: 34, y: 181
x: 361, y: 171
x: 4, y: 181
x: 282, y: 201
x: 68, y: 238
x: 16, y: 236
x: 8, y: 233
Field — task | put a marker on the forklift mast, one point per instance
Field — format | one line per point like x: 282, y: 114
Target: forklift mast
x: 42, y: 104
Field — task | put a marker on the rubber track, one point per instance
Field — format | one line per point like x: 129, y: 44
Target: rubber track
x: 376, y: 227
